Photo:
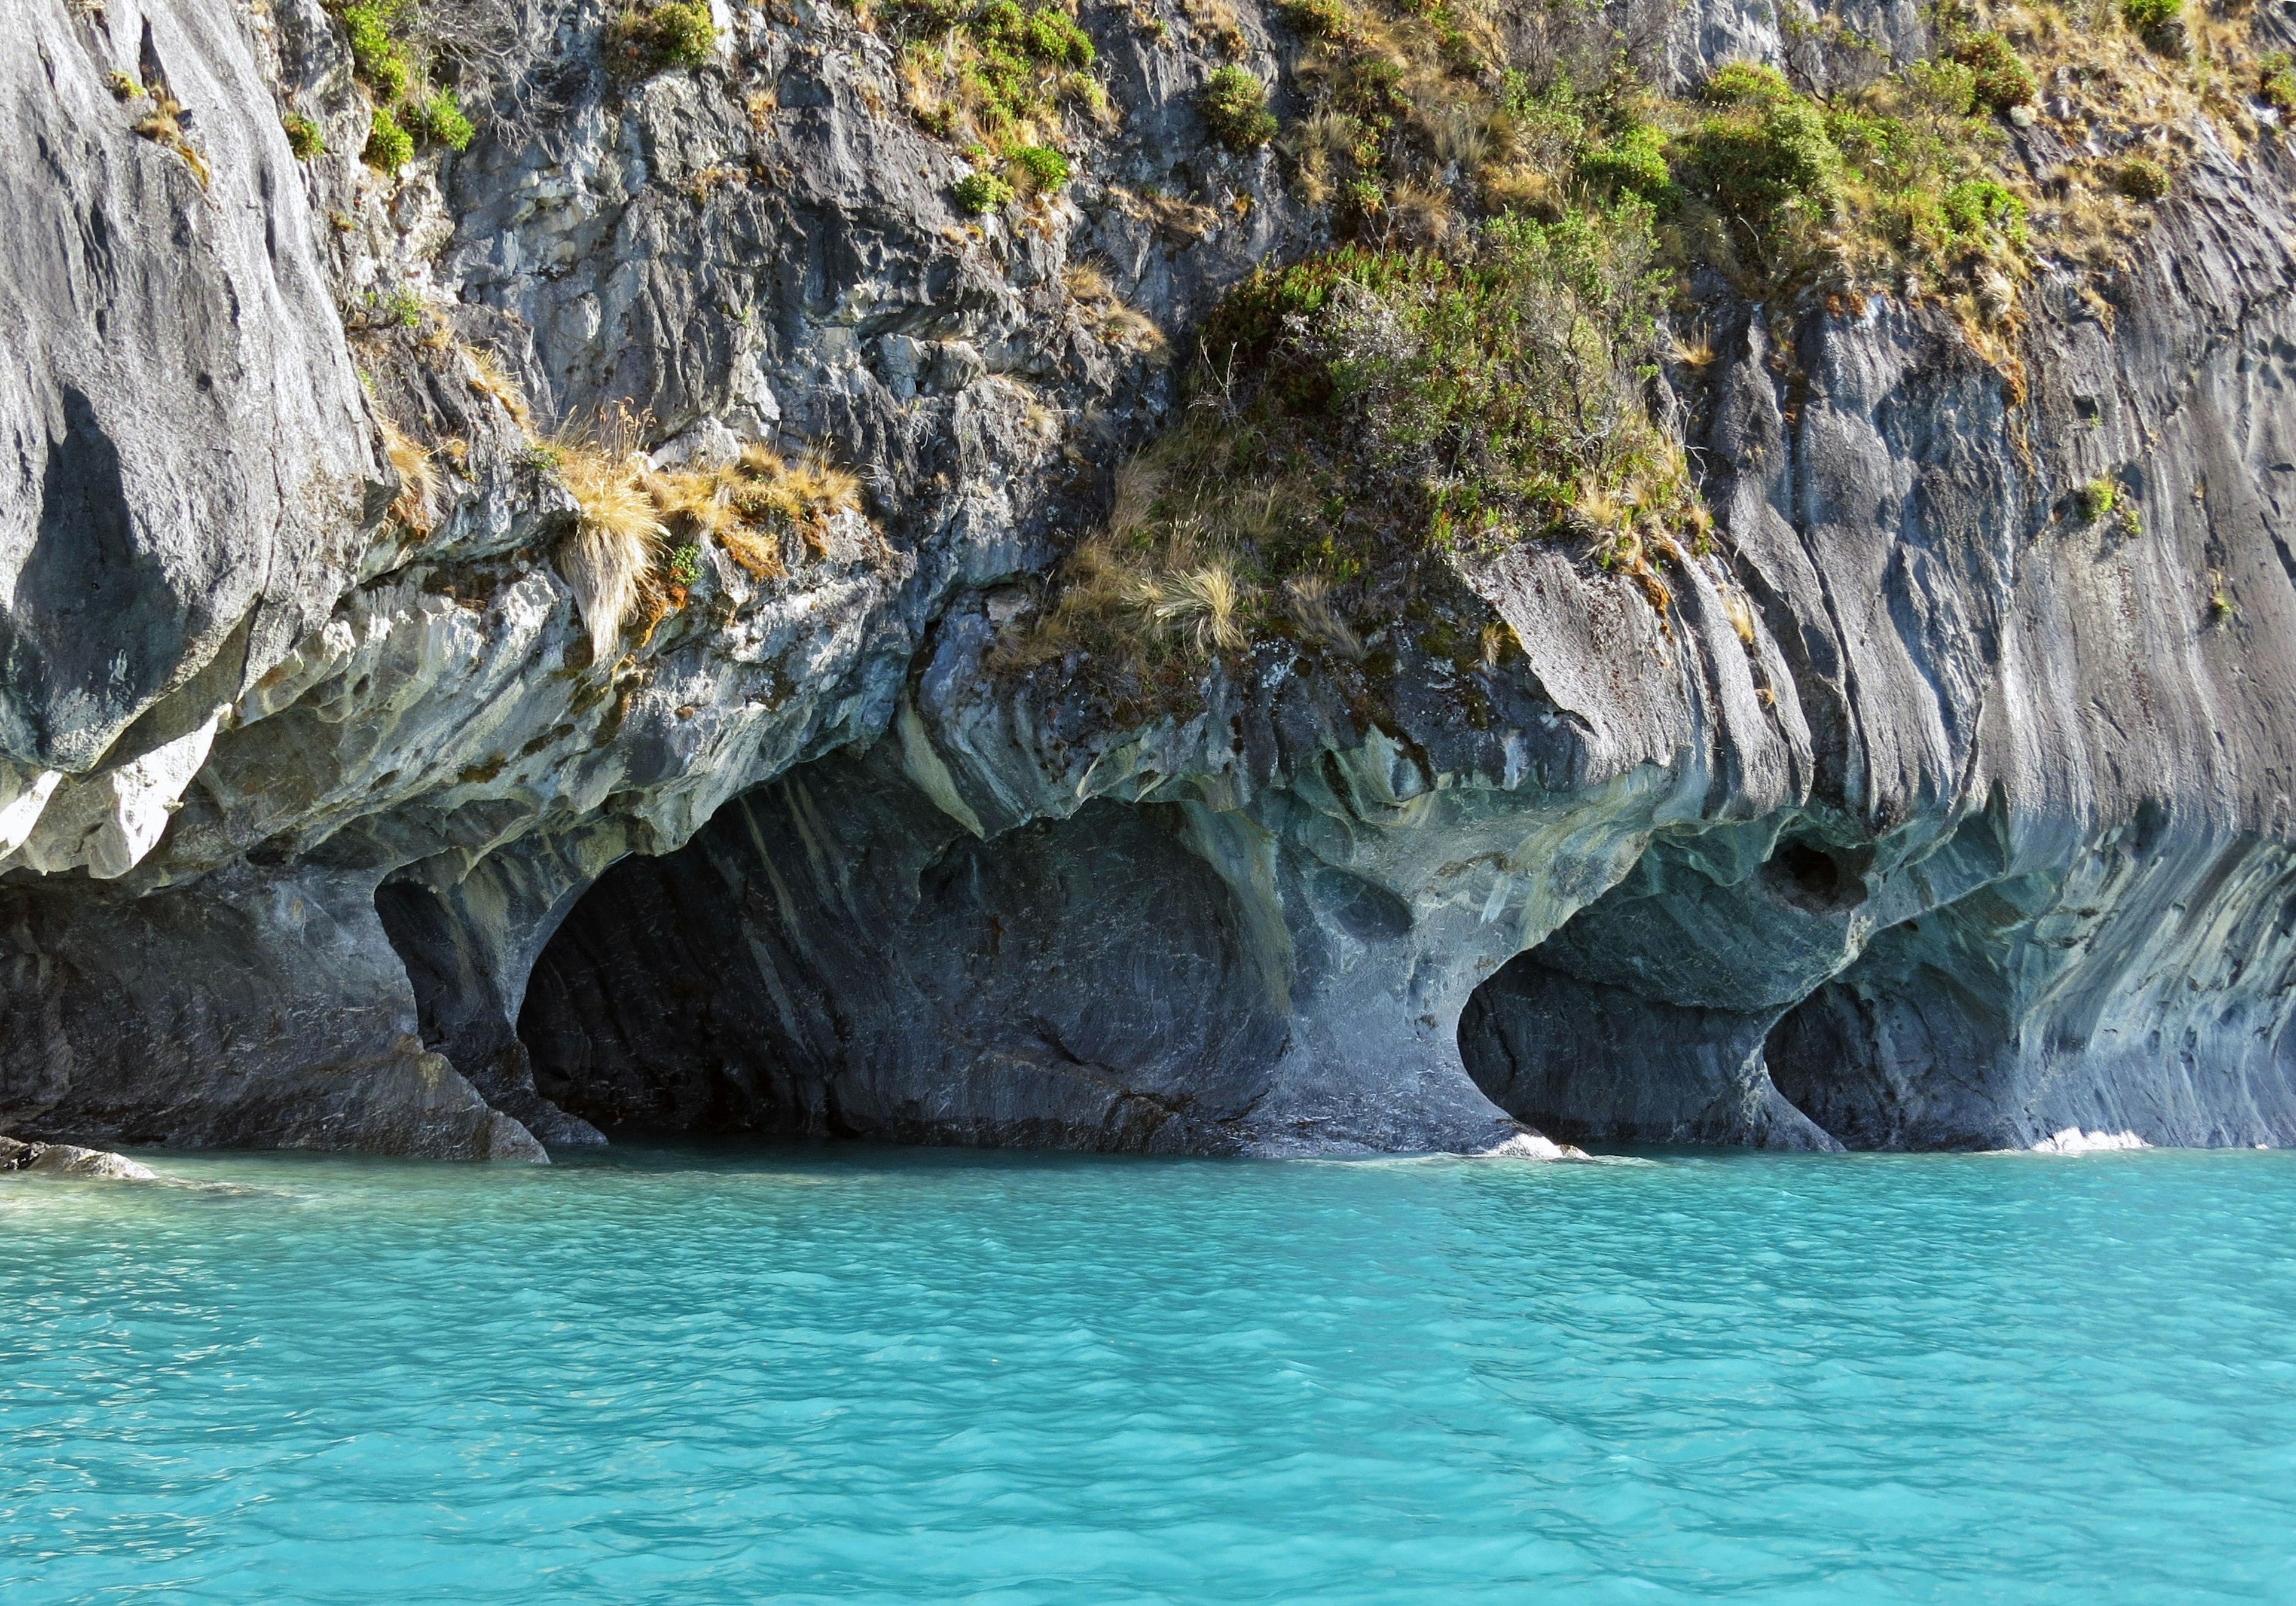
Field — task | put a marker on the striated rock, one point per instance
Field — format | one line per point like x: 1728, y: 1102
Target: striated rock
x: 1929, y: 814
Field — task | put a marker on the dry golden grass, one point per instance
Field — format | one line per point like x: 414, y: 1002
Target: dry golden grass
x: 1496, y: 640
x: 418, y: 479
x: 610, y: 557
x: 1308, y: 598
x: 1198, y: 605
x: 488, y: 377
x: 1084, y: 282
x: 1134, y: 331
x: 1420, y: 214
x: 1214, y: 22
x: 1694, y: 348
x: 163, y: 126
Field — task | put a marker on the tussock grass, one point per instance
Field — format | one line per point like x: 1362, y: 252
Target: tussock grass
x: 617, y: 538
x: 488, y: 376
x: 418, y: 479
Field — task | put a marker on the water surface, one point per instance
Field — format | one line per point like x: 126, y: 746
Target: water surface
x: 848, y: 1374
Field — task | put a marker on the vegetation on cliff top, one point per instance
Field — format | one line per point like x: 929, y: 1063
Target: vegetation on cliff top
x: 1470, y: 366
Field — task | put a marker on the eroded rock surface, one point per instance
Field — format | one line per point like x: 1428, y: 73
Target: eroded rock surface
x: 1930, y: 815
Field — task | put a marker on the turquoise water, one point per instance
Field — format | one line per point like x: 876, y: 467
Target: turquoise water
x: 844, y: 1375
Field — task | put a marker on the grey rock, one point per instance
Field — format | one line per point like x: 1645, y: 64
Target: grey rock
x: 66, y: 1160
x: 1930, y: 816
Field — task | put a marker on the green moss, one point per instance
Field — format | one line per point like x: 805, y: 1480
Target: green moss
x: 303, y: 136
x: 1234, y: 104
x: 2146, y: 15
x: 980, y: 193
x: 672, y: 34
x: 388, y: 146
x: 684, y: 565
x: 441, y: 117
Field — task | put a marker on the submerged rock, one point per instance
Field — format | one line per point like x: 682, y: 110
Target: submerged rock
x: 66, y: 1160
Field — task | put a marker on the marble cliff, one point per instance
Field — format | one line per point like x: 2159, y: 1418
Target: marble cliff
x: 1940, y: 796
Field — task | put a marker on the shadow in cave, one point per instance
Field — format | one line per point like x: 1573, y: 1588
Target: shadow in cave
x: 1643, y: 1018
x: 832, y: 955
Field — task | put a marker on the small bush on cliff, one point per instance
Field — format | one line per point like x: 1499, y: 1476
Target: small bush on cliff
x: 2000, y: 77
x: 1762, y: 155
x: 982, y: 193
x: 1042, y: 168
x: 2141, y: 178
x: 2096, y: 499
x: 2276, y: 82
x: 995, y: 72
x: 1234, y: 106
x: 439, y: 116
x: 303, y: 136
x: 673, y: 33
x: 1372, y: 411
x: 388, y: 146
x: 377, y: 56
x: 2160, y: 23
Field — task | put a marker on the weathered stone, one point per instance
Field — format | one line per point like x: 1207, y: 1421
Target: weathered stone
x: 1928, y: 816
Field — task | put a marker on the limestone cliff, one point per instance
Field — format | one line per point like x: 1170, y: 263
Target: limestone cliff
x: 1934, y: 806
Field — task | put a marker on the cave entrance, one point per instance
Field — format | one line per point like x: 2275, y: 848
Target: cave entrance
x: 1644, y: 1018
x: 833, y: 956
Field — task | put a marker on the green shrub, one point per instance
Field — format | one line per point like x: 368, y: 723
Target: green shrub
x: 2141, y: 178
x: 1014, y: 51
x: 1763, y: 155
x: 303, y: 136
x: 375, y: 56
x: 981, y: 193
x: 1234, y: 106
x: 388, y: 146
x: 1947, y: 86
x: 1487, y: 393
x: 2001, y: 79
x: 2276, y: 82
x: 2096, y: 499
x: 1635, y: 161
x: 1046, y: 170
x: 1317, y: 19
x: 1978, y: 209
x: 674, y: 33
x: 441, y: 118
x: 2160, y: 23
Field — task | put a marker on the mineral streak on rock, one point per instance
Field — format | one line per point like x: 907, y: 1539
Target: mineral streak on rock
x: 1930, y: 813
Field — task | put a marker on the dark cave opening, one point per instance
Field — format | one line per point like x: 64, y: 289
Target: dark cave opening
x: 1644, y: 1019
x: 834, y: 957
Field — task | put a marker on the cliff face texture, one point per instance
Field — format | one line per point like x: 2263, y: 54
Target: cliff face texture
x: 1938, y: 807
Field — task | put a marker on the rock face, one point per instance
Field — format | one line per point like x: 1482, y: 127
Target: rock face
x: 63, y: 1159
x: 1932, y: 815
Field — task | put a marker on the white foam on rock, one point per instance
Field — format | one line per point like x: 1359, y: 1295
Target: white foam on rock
x: 2072, y: 1140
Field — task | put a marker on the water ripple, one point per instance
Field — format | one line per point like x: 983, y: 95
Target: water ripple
x: 846, y: 1374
